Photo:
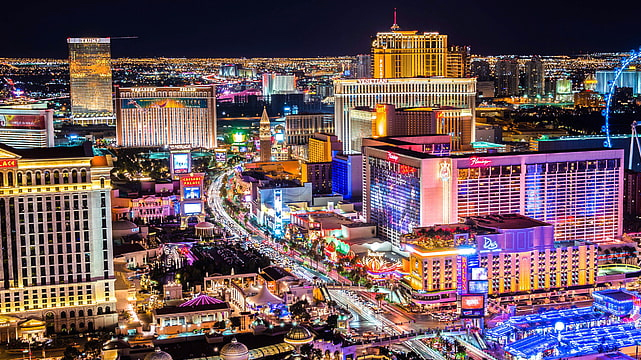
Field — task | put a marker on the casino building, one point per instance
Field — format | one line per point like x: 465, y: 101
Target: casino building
x: 513, y: 255
x: 434, y: 92
x: 55, y: 234
x: 159, y: 116
x: 405, y: 186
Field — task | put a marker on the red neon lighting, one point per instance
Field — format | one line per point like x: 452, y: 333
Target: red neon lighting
x: 191, y: 180
x: 477, y: 161
x: 5, y: 163
x: 392, y: 157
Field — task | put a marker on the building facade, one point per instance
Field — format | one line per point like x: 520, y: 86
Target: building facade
x: 534, y: 78
x: 580, y: 193
x: 347, y: 175
x: 506, y: 72
x: 23, y: 129
x: 55, y: 229
x: 300, y: 128
x: 408, y: 54
x: 387, y: 120
x: 159, y: 116
x: 402, y: 93
x: 322, y: 146
x: 518, y: 253
x: 90, y: 81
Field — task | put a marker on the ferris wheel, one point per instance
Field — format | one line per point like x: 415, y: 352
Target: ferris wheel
x: 612, y: 85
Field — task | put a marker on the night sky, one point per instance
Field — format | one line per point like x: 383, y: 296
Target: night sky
x: 306, y: 28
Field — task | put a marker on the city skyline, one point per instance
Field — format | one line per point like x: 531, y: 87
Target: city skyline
x: 285, y: 29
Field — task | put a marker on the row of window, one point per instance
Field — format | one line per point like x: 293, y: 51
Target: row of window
x: 29, y: 178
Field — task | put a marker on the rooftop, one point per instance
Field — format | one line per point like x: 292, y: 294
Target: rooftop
x: 506, y: 221
x: 61, y: 152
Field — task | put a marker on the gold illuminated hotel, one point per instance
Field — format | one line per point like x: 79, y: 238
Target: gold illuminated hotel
x: 56, y: 268
x: 90, y: 81
x: 407, y: 54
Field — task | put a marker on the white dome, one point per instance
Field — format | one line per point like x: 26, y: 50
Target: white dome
x: 234, y: 351
x: 158, y: 355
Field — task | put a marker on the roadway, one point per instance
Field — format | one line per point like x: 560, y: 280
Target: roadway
x: 388, y: 320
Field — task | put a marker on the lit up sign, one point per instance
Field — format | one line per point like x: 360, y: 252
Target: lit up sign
x: 472, y: 302
x: 238, y: 138
x: 461, y: 276
x: 477, y: 161
x: 472, y: 306
x: 191, y: 181
x: 190, y: 193
x: 278, y: 208
x: 445, y: 171
x: 392, y: 157
x: 221, y: 155
x: 192, y: 208
x: 372, y: 81
x: 5, y: 163
x: 489, y: 244
x: 180, y: 163
x: 479, y: 273
x: 32, y: 122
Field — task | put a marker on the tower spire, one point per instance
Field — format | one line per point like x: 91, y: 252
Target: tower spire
x: 395, y: 26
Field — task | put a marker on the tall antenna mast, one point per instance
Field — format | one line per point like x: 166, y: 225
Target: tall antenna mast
x: 395, y: 26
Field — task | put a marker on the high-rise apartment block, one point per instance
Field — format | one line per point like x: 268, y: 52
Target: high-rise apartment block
x: 55, y: 235
x: 159, y: 116
x: 433, y: 92
x: 534, y: 77
x: 90, y: 81
x: 362, y: 67
x: 580, y: 193
x: 506, y: 72
x: 458, y: 61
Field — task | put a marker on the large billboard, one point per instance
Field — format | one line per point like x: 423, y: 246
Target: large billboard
x: 163, y: 103
x: 180, y: 163
x: 32, y: 122
x: 191, y: 187
x: 472, y: 306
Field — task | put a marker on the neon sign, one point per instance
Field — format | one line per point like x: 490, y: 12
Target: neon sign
x: 477, y: 161
x: 489, y: 244
x: 5, y: 163
x: 392, y: 157
x: 192, y: 180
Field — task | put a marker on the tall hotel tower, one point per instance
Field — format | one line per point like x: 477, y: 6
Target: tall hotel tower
x: 265, y: 134
x: 436, y: 92
x: 90, y: 81
x: 56, y: 263
x: 407, y: 54
x: 158, y: 116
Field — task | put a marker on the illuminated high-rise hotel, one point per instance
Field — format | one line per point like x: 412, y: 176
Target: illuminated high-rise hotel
x: 55, y: 234
x: 158, y: 116
x: 408, y: 54
x: 580, y: 193
x: 434, y: 92
x: 90, y: 81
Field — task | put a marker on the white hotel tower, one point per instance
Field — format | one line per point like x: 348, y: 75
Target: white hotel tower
x: 56, y: 256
